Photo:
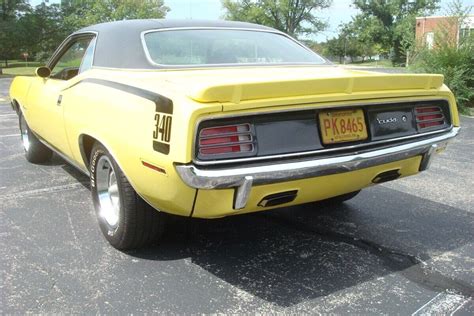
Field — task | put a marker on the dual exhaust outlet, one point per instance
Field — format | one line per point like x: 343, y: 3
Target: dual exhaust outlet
x: 289, y: 196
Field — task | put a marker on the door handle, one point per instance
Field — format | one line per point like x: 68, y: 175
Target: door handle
x: 60, y: 98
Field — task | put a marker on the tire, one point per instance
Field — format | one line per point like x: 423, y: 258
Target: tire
x: 125, y: 219
x: 35, y: 151
x: 340, y: 198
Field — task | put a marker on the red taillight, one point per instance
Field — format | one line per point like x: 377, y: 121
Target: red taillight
x: 429, y: 116
x: 226, y: 140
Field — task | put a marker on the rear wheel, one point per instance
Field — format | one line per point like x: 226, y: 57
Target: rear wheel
x: 125, y: 219
x: 35, y: 151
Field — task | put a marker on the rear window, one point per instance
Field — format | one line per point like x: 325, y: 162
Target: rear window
x: 225, y: 46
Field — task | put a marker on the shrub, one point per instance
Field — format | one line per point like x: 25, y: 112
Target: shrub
x: 454, y: 59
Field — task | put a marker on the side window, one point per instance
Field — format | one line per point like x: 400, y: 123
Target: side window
x: 67, y: 66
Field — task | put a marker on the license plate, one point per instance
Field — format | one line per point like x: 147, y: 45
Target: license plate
x: 342, y: 126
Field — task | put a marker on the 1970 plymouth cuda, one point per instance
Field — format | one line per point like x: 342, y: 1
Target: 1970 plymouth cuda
x: 209, y: 119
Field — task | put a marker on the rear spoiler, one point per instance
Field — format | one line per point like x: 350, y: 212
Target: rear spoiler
x: 236, y: 92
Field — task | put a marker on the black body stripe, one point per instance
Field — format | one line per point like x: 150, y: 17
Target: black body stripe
x: 162, y: 104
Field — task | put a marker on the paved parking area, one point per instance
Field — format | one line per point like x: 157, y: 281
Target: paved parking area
x: 404, y: 247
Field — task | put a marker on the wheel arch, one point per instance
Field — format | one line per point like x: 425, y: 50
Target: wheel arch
x: 86, y: 142
x: 15, y: 106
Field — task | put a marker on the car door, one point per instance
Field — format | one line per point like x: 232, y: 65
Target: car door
x: 45, y: 98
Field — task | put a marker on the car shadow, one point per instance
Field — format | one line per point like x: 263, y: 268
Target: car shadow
x: 80, y: 177
x: 295, y: 254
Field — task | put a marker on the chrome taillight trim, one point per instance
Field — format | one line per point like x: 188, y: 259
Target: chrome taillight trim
x: 428, y: 113
x: 249, y: 130
x: 237, y: 152
x: 441, y: 119
x: 248, y: 142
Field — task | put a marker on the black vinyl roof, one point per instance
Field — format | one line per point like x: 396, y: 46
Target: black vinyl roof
x: 119, y: 43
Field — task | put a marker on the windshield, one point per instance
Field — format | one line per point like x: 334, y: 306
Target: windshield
x: 225, y: 46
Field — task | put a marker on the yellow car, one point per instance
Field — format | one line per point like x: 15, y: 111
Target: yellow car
x: 210, y: 119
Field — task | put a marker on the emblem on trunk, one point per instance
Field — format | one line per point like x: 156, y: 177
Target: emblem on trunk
x: 387, y: 120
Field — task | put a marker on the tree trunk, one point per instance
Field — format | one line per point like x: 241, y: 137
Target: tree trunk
x: 397, y: 58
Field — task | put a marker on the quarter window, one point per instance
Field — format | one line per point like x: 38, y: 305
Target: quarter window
x: 88, y: 57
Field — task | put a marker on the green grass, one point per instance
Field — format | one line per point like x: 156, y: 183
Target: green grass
x: 19, y: 68
x: 18, y: 71
x: 13, y: 63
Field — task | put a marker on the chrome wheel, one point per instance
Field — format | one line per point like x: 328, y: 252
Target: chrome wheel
x: 108, y: 192
x: 25, y: 138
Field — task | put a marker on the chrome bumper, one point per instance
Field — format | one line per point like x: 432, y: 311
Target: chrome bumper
x: 243, y: 178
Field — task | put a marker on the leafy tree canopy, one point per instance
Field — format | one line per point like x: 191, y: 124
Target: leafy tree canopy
x: 10, y: 11
x: 390, y: 23
x: 293, y: 17
x: 81, y: 13
x: 39, y: 30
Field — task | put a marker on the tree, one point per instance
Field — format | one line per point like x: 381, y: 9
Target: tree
x: 397, y: 22
x: 81, y: 13
x: 10, y: 11
x: 40, y: 30
x: 335, y: 48
x: 293, y: 17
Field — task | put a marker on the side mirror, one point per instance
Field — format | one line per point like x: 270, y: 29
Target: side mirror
x: 43, y: 72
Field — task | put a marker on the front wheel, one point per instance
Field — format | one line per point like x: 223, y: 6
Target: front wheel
x: 125, y: 219
x: 35, y: 151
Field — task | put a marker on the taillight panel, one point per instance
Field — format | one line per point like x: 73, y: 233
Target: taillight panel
x: 298, y: 132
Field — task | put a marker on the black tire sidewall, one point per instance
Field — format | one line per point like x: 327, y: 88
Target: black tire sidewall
x: 21, y: 122
x: 114, y: 236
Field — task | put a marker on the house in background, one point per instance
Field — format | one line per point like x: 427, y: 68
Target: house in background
x: 428, y: 26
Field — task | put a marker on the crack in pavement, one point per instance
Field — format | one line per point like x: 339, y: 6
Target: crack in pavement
x: 413, y: 268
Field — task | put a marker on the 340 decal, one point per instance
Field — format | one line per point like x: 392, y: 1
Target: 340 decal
x: 162, y: 132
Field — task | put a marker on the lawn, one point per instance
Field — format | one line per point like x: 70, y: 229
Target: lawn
x: 18, y: 71
x: 19, y: 68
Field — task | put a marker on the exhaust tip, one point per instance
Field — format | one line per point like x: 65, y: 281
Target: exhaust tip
x: 278, y: 198
x: 387, y: 176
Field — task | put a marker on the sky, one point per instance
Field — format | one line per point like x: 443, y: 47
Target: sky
x: 340, y: 12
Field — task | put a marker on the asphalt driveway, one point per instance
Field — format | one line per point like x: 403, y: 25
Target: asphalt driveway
x: 404, y: 247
